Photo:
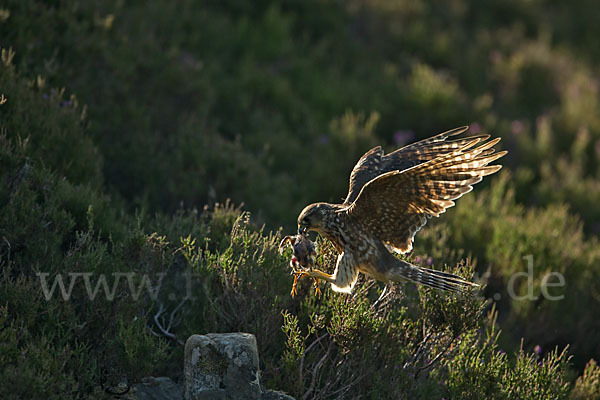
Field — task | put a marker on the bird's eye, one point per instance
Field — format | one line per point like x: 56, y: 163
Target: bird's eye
x: 304, y: 221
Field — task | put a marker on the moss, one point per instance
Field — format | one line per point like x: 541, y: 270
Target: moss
x: 212, y: 363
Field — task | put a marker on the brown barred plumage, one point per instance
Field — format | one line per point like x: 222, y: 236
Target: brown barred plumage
x: 390, y: 199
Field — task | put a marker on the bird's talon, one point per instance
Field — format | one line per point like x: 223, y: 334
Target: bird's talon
x: 294, y: 290
x: 297, y: 275
x: 317, y: 288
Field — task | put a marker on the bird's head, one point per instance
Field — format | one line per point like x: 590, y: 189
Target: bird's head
x: 313, y: 216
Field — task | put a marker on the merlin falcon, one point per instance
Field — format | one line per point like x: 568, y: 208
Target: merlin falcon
x: 391, y: 197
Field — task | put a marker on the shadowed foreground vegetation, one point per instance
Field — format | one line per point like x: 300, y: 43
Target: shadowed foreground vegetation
x: 120, y: 121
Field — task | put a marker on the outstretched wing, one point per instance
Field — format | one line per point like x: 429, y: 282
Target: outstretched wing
x: 395, y: 205
x: 374, y: 163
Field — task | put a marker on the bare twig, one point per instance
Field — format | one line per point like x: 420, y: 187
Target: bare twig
x: 316, y: 370
x: 348, y: 386
x: 432, y: 362
x: 419, y: 351
x: 301, y: 367
x: 161, y: 323
x: 381, y: 297
x: 172, y: 316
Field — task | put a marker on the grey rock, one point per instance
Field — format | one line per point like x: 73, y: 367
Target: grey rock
x: 162, y: 388
x: 212, y: 394
x: 221, y: 366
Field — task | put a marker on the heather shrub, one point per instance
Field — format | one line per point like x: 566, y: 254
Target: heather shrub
x: 519, y: 247
x: 54, y: 133
x: 482, y: 370
x: 401, y: 344
x: 119, y: 121
x: 587, y: 386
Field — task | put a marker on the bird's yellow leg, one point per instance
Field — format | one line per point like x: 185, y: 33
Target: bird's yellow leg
x: 316, y: 275
x: 297, y: 275
x: 294, y: 291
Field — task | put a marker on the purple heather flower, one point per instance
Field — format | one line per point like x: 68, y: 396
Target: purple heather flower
x: 324, y: 139
x: 187, y: 59
x: 402, y: 137
x: 418, y: 260
x: 475, y: 128
x: 516, y: 127
x: 429, y: 261
x: 495, y: 56
x: 45, y: 96
x: 537, y: 349
x: 501, y: 351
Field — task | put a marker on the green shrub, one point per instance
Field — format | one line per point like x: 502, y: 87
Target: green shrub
x: 505, y: 237
x: 481, y: 370
x: 587, y: 386
x: 190, y: 105
x: 54, y: 133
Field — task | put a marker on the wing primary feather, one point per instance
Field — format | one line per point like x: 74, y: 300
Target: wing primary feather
x: 423, y: 190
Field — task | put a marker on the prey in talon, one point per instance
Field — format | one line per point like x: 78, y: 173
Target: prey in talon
x: 303, y: 259
x: 304, y: 251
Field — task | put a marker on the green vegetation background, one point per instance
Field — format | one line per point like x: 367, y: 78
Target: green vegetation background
x: 121, y: 119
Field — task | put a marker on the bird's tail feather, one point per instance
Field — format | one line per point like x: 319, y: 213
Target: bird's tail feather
x: 431, y: 278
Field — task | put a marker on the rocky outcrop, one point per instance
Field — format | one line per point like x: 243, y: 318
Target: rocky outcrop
x: 224, y: 366
x: 162, y: 388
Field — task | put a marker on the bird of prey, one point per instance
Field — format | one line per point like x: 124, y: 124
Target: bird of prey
x: 390, y: 199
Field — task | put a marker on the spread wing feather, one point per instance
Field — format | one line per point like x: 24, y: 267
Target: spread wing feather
x: 394, y: 206
x: 374, y: 163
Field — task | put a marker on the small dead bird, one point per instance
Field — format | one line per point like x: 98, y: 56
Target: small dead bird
x: 303, y: 258
x: 304, y: 251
